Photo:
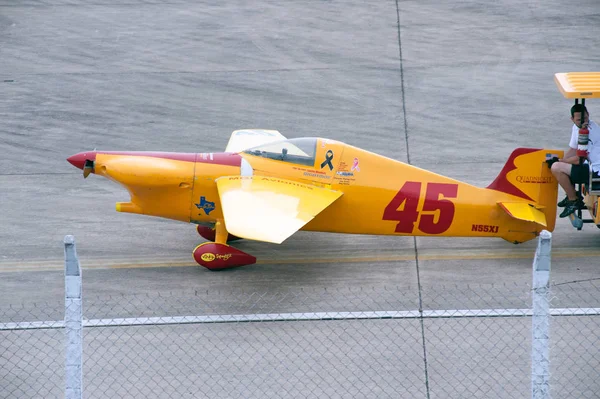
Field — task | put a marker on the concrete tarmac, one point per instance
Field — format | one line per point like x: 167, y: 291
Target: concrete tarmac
x: 452, y: 87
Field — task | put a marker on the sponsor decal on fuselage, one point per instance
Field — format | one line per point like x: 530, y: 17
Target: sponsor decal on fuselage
x: 313, y: 173
x: 319, y: 175
x: 345, y: 174
x: 534, y: 179
x: 209, y: 257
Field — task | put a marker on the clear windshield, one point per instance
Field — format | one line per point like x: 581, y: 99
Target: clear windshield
x: 298, y: 151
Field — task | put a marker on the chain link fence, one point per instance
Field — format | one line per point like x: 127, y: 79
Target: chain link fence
x: 468, y: 342
x: 31, y: 360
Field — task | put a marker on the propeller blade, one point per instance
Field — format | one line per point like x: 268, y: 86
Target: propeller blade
x: 88, y: 167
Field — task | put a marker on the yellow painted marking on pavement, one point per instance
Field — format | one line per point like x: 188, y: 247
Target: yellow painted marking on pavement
x: 131, y: 263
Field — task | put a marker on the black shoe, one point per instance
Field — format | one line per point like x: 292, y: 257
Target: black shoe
x: 562, y: 203
x: 570, y: 208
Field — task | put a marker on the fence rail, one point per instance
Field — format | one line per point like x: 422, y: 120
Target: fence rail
x: 367, y: 343
x: 319, y: 316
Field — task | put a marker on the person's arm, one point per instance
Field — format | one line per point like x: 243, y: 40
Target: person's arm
x: 571, y: 157
x: 571, y: 154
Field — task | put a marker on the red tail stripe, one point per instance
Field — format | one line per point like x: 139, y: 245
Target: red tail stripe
x: 502, y: 184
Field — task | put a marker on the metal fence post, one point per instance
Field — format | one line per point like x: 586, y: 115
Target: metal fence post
x: 540, y: 361
x: 73, y: 321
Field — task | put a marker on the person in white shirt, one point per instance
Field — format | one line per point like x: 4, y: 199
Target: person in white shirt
x: 569, y: 170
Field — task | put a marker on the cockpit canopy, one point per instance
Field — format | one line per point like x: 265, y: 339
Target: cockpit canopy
x: 297, y: 151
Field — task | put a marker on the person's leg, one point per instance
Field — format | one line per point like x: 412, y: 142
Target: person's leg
x: 574, y: 174
x: 562, y: 172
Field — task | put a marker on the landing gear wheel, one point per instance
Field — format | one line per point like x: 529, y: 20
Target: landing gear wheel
x: 215, y: 256
x: 209, y: 234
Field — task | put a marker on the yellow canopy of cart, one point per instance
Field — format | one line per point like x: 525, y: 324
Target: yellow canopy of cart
x: 578, y: 84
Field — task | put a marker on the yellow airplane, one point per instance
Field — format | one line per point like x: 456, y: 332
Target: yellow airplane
x: 265, y: 187
x: 580, y: 86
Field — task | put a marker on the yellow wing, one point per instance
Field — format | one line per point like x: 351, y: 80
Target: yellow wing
x: 241, y: 140
x: 270, y: 209
x: 524, y: 211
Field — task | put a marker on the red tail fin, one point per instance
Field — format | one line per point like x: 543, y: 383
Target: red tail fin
x: 526, y: 175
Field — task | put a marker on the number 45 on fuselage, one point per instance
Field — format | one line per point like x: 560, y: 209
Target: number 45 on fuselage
x: 265, y: 187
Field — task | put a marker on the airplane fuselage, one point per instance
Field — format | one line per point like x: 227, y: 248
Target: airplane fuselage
x: 381, y: 196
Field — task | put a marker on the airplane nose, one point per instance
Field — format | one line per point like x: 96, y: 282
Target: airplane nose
x: 78, y: 160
